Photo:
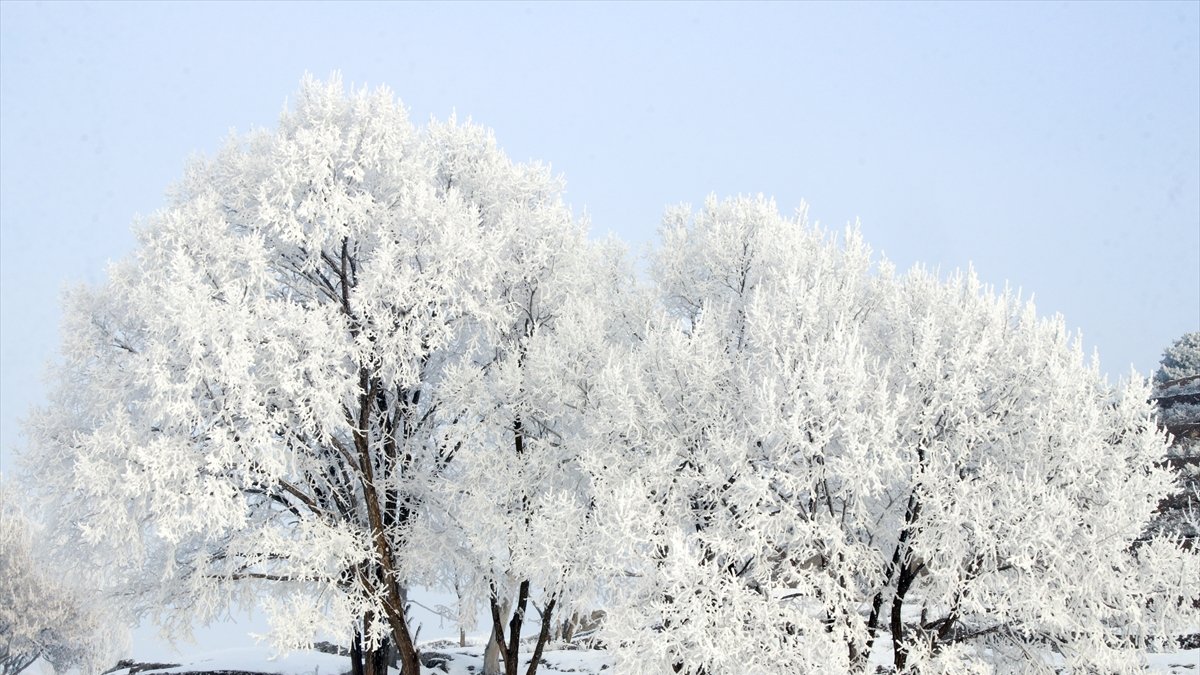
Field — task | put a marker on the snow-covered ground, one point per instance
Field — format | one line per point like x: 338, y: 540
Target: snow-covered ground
x: 1187, y: 661
x: 230, y: 647
x: 469, y: 661
x: 257, y: 660
x: 242, y: 629
x: 460, y: 661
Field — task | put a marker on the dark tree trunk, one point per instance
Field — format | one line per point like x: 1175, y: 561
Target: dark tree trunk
x: 543, y: 637
x: 511, y: 651
x: 900, y: 566
x: 376, y: 661
x: 384, y: 511
x: 356, y: 654
x: 899, y: 649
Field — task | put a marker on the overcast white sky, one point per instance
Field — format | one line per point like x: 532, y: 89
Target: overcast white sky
x: 1055, y: 146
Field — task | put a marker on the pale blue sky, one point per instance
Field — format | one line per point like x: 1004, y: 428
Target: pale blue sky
x: 1055, y: 146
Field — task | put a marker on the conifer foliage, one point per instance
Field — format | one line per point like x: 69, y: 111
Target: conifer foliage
x: 1177, y: 397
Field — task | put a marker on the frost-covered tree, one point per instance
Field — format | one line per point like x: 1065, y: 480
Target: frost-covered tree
x: 266, y: 397
x: 352, y: 355
x: 809, y: 460
x: 1177, y: 392
x: 42, y: 616
x: 1177, y: 396
x: 515, y: 505
x: 1181, y: 359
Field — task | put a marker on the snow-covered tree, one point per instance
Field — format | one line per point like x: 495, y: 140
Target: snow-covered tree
x: 1181, y: 359
x: 265, y: 398
x: 1177, y: 393
x: 515, y: 505
x: 352, y: 355
x: 809, y: 456
x: 42, y: 615
x: 1177, y: 396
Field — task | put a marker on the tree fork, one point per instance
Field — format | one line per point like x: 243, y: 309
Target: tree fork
x: 543, y: 636
x: 859, y: 659
x: 513, y: 651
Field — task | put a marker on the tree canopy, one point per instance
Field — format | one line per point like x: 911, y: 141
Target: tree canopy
x: 44, y: 615
x: 1181, y: 359
x: 353, y: 355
